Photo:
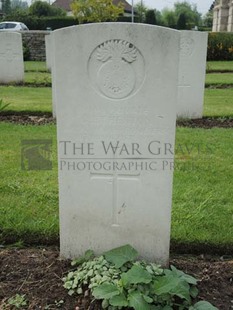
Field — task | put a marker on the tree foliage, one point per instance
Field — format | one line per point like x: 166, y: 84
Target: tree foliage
x: 141, y: 11
x: 151, y: 17
x: 6, y: 6
x: 169, y: 18
x: 189, y: 11
x: 96, y: 10
x: 183, y: 16
x: 182, y: 22
x: 42, y: 8
x: 208, y: 19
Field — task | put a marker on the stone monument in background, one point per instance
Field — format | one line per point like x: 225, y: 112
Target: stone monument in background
x: 223, y: 16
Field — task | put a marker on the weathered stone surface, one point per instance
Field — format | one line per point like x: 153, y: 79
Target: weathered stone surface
x: 222, y: 17
x: 116, y: 86
x: 11, y: 57
x: 193, y: 51
x: 49, y: 52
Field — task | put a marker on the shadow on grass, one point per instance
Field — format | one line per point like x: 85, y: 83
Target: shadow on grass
x: 30, y: 239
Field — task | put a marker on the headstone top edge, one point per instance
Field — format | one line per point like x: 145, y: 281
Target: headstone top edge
x: 11, y: 33
x: 115, y: 24
x: 195, y: 32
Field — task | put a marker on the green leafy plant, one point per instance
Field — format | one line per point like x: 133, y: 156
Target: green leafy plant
x: 18, y: 301
x: 220, y: 46
x: 26, y: 52
x: 57, y: 304
x: 120, y: 281
x: 3, y: 105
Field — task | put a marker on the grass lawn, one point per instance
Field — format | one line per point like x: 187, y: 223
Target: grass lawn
x: 219, y: 78
x: 35, y: 66
x: 219, y: 65
x: 37, y: 78
x: 27, y: 98
x: 202, y: 201
x: 203, y: 196
x: 29, y: 199
x: 218, y: 102
x: 211, y: 65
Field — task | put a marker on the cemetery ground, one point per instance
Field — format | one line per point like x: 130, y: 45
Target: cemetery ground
x: 202, y: 196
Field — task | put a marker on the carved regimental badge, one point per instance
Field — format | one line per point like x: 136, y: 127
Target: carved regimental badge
x: 116, y: 68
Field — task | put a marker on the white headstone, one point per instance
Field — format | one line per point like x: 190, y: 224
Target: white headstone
x: 193, y: 50
x: 48, y: 51
x: 11, y: 57
x: 49, y: 40
x: 116, y: 84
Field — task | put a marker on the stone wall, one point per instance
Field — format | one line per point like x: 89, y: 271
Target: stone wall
x: 35, y: 40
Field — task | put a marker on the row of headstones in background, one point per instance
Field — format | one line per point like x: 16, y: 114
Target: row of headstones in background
x: 49, y: 64
x: 192, y: 66
x: 48, y: 51
x: 11, y: 57
x: 192, y: 69
x: 115, y: 85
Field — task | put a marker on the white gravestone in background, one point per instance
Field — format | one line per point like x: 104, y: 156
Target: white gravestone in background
x: 49, y: 43
x: 116, y: 90
x: 11, y: 57
x: 193, y: 51
x: 48, y: 51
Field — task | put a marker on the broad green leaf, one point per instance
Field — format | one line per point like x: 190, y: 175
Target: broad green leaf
x: 182, y: 290
x: 119, y: 301
x: 137, y: 302
x: 173, y: 285
x: 135, y: 275
x: 193, y: 291
x: 186, y: 277
x: 121, y: 255
x: 165, y: 284
x: 105, y: 291
x: 147, y: 299
x: 152, y: 307
x: 204, y: 305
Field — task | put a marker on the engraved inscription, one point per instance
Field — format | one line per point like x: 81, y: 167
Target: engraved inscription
x: 116, y: 68
x: 186, y: 46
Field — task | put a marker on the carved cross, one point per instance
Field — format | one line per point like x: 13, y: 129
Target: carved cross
x: 115, y: 178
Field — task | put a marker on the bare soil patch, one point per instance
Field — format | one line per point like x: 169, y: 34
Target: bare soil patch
x: 38, y: 272
x: 39, y: 118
